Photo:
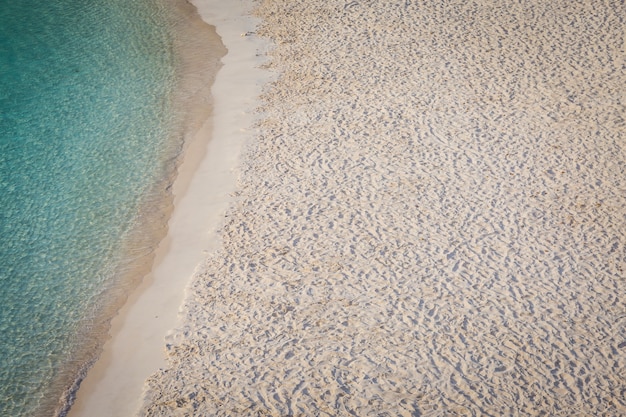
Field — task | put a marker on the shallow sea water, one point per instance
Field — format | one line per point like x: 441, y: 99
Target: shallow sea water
x: 87, y: 142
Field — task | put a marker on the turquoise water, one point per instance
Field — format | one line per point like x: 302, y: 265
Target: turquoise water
x: 86, y: 150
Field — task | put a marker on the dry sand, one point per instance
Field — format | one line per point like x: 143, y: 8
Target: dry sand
x: 431, y: 221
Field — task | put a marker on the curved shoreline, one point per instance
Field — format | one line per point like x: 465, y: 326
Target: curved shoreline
x: 198, y: 49
x: 201, y: 192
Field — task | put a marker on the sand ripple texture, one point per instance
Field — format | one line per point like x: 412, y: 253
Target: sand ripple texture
x: 431, y: 222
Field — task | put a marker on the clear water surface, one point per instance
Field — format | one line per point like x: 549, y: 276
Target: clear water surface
x: 86, y: 147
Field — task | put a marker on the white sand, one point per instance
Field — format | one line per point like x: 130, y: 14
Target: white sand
x: 431, y: 222
x: 202, y: 192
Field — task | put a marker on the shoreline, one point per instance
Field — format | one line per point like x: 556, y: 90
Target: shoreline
x: 201, y: 195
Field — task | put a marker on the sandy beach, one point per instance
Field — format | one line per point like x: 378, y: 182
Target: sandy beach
x: 429, y: 216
